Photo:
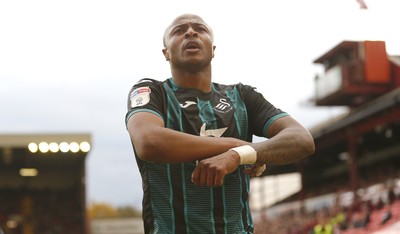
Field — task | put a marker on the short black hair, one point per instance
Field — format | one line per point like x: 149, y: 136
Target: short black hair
x: 182, y: 16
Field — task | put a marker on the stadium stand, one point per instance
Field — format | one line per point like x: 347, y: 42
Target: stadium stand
x: 42, y: 183
x: 352, y: 182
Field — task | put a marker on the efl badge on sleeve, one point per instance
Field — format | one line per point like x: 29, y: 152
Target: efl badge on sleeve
x: 140, y: 96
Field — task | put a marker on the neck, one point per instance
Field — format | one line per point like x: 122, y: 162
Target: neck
x: 200, y: 80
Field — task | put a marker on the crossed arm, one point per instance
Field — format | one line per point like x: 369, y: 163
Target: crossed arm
x: 288, y: 141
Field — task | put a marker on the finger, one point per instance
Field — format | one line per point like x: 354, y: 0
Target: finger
x: 202, y: 176
x: 260, y: 170
x: 248, y: 170
x: 219, y: 179
x: 211, y: 178
x: 255, y: 170
x: 195, y: 176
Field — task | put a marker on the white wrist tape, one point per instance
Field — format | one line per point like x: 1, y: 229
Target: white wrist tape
x: 247, y: 154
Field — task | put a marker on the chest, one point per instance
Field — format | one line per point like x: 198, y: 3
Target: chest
x: 208, y: 107
x: 212, y: 114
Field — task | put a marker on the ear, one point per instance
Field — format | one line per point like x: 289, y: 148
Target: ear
x: 213, y: 51
x: 166, y: 54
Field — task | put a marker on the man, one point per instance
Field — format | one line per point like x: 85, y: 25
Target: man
x: 192, y: 139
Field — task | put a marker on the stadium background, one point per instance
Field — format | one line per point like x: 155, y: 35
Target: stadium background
x: 373, y: 153
x: 354, y: 171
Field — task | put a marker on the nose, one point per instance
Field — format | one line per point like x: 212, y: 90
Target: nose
x: 190, y: 32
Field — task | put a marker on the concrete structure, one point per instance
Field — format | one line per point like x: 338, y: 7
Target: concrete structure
x: 117, y: 226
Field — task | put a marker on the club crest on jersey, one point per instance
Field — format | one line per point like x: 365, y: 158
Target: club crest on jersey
x: 223, y: 106
x: 140, y: 96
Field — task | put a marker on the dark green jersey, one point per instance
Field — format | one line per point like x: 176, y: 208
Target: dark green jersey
x: 171, y: 202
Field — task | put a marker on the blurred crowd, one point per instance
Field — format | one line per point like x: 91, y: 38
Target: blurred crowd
x: 370, y: 209
x: 41, y: 211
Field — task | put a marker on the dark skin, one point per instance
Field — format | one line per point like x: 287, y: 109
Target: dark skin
x: 189, y: 49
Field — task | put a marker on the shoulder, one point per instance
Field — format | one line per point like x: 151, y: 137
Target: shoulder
x: 146, y: 82
x: 239, y: 86
x: 145, y: 87
x: 243, y: 89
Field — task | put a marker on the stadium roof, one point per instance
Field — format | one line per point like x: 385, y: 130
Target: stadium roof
x: 22, y: 140
x: 48, y: 160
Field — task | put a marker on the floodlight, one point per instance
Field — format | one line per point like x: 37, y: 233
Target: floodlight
x: 43, y: 147
x: 33, y: 147
x: 64, y: 147
x: 85, y: 146
x: 54, y: 147
x: 74, y: 147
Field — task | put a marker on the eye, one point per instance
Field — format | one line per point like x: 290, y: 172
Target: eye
x: 176, y: 31
x: 201, y: 29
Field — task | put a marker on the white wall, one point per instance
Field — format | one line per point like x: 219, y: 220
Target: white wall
x: 117, y: 226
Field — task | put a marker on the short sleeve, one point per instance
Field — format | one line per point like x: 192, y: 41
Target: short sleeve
x: 145, y: 96
x: 261, y: 112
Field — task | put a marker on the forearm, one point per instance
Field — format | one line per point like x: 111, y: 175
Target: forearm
x: 168, y: 146
x: 289, y: 145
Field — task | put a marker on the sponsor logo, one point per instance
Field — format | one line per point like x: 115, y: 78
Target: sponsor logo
x: 223, y: 106
x: 140, y: 96
x: 211, y: 132
x: 187, y: 104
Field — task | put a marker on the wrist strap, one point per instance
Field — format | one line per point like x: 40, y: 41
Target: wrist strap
x: 246, y: 153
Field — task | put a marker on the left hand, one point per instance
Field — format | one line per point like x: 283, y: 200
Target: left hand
x: 255, y: 170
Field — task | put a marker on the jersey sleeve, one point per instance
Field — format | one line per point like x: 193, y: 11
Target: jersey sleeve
x: 261, y: 112
x: 145, y: 96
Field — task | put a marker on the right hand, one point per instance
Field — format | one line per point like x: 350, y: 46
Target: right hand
x: 211, y: 171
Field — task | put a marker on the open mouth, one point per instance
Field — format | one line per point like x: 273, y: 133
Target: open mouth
x: 192, y: 45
